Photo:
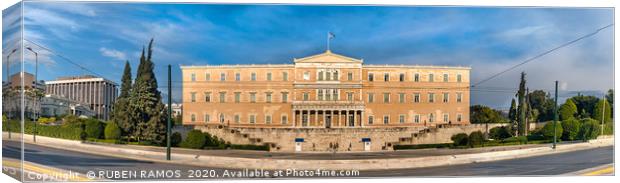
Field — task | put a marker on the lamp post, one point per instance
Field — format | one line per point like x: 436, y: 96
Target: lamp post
x: 36, y: 94
x: 8, y: 81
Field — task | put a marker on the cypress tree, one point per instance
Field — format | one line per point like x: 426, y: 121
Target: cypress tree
x: 120, y: 113
x: 148, y: 109
x: 521, y: 110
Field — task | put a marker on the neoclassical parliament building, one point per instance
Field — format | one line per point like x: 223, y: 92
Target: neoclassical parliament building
x: 327, y: 90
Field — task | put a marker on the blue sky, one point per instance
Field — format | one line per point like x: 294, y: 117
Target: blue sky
x: 101, y: 36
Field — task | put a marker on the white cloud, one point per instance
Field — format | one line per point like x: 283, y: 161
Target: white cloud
x: 112, y: 53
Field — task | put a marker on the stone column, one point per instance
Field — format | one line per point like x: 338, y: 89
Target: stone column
x: 354, y: 117
x: 324, y: 119
x: 362, y: 119
x: 316, y: 117
x: 294, y: 118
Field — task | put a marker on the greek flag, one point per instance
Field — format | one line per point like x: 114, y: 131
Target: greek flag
x: 331, y: 35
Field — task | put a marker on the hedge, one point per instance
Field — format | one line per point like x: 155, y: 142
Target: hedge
x: 422, y: 146
x: 112, y: 131
x: 94, y: 128
x: 519, y: 139
x: 195, y: 140
x: 56, y: 131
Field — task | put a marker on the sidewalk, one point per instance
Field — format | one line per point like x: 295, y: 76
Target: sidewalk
x: 240, y: 159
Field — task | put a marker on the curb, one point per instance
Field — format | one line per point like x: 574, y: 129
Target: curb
x: 279, y: 164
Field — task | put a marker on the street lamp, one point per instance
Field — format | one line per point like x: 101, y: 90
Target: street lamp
x: 8, y: 81
x: 36, y: 94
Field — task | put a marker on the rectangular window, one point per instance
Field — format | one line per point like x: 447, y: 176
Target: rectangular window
x: 320, y: 94
x: 416, y: 97
x: 459, y: 117
x: 401, y: 97
x: 445, y: 77
x: 431, y: 117
x: 431, y: 97
x: 386, y: 97
x: 252, y: 118
x: 371, y: 77
x: 320, y: 75
x: 268, y: 97
x: 306, y: 96
x: 222, y: 97
x: 350, y: 76
x: 193, y: 96
x: 207, y: 118
x: 328, y: 94
x: 193, y: 76
x: 237, y: 97
x: 237, y: 76
x: 328, y: 76
x: 253, y: 77
x: 268, y: 119
x: 371, y: 120
x: 431, y: 78
x: 416, y: 118
x: 371, y: 97
x: 193, y: 118
x: 386, y: 77
x: 416, y: 77
x: 401, y: 77
x: 285, y: 76
x: 284, y: 97
x: 237, y: 118
x: 446, y: 97
x: 459, y: 97
x: 284, y: 119
x: 335, y: 94
x: 253, y: 97
x: 386, y: 120
x: 445, y: 117
x: 306, y: 75
x: 207, y: 96
x: 222, y: 76
x: 458, y: 78
x: 269, y: 76
x: 350, y: 96
x: 336, y: 77
x: 208, y: 76
x: 401, y: 118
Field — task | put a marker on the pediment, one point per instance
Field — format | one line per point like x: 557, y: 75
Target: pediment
x: 327, y: 57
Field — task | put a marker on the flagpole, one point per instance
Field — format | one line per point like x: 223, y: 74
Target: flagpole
x: 328, y: 40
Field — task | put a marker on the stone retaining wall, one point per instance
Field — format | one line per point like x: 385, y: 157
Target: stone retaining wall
x: 344, y: 139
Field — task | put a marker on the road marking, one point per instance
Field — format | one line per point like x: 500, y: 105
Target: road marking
x: 41, y: 170
x: 603, y: 171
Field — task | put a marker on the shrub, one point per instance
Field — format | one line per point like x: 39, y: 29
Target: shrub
x: 71, y: 120
x: 112, y: 131
x: 570, y: 128
x: 94, y: 128
x: 195, y: 140
x: 475, y: 139
x: 501, y: 132
x: 175, y: 139
x: 609, y: 128
x: 460, y: 139
x: 519, y: 139
x: 590, y: 129
x: 547, y: 131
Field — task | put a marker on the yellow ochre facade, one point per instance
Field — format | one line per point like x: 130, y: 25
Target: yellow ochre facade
x: 327, y: 90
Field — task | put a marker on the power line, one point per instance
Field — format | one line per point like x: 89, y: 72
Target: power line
x: 543, y: 54
x: 65, y: 58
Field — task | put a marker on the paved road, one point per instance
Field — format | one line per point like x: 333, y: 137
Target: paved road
x: 83, y: 163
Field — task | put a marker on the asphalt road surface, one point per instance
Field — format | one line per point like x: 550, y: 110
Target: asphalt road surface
x: 124, y: 169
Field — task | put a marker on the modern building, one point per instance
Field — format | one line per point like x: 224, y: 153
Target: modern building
x: 12, y: 97
x: 98, y: 93
x: 54, y: 105
x: 327, y: 90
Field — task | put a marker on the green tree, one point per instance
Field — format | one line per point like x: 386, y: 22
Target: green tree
x: 598, y: 111
x: 121, y: 115
x: 94, y: 128
x: 147, y: 110
x: 548, y: 131
x: 570, y: 128
x: 567, y: 110
x: 512, y: 112
x: 585, y: 103
x: 483, y: 114
x: 590, y: 129
x: 521, y: 109
x: 195, y: 140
